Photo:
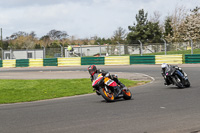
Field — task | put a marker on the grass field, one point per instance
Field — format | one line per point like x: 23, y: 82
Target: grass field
x: 195, y: 51
x: 13, y: 91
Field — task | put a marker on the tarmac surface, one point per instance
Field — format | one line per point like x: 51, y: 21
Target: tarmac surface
x: 67, y: 75
x: 155, y: 108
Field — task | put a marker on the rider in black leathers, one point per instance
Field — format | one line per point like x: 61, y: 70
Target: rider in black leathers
x: 93, y: 69
x: 164, y: 66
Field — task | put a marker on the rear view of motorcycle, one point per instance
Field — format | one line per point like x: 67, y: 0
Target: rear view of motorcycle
x: 175, y: 75
x: 109, y: 89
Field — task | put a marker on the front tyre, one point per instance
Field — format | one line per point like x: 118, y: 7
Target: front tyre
x: 187, y: 83
x: 177, y: 82
x: 109, y: 97
x: 127, y: 94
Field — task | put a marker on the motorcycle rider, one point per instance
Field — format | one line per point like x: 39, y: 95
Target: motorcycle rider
x: 164, y: 67
x: 92, y: 69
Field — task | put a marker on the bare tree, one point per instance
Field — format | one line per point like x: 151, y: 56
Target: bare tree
x: 119, y: 35
x: 190, y: 28
x: 18, y: 34
x: 22, y: 40
x: 57, y: 35
x: 178, y: 17
x: 156, y: 17
x: 45, y: 41
x: 32, y: 34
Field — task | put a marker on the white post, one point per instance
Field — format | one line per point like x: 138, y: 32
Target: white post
x: 119, y: 48
x: 191, y: 46
x: 165, y: 46
x: 99, y: 48
x: 61, y: 49
x: 140, y: 46
x: 43, y: 51
x: 2, y: 53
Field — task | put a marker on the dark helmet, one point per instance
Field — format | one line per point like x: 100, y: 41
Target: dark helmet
x: 92, y: 69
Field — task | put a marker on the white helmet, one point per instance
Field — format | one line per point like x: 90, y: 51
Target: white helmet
x: 164, y: 65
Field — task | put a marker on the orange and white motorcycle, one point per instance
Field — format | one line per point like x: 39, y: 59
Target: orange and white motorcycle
x: 108, y: 88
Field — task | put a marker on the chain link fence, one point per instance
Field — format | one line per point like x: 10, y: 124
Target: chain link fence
x: 99, y: 50
x: 131, y: 49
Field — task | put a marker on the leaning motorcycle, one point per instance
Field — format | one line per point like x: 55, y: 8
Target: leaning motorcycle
x: 109, y: 89
x: 175, y: 77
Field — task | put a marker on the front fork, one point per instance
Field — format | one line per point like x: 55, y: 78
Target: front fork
x: 183, y: 76
x: 116, y: 90
x: 106, y: 88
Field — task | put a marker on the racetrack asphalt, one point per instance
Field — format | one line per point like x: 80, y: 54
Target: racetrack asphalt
x: 155, y: 108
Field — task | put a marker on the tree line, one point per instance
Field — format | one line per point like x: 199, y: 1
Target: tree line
x: 182, y: 25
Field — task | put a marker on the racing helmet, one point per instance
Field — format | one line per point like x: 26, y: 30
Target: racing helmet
x: 92, y: 69
x: 164, y: 66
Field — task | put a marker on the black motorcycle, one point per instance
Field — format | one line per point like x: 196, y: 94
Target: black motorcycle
x: 175, y: 77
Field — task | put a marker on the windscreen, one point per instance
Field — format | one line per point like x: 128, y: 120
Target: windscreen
x: 170, y: 70
x: 95, y: 76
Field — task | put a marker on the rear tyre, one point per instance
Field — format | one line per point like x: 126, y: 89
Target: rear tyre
x: 127, y: 94
x: 109, y: 97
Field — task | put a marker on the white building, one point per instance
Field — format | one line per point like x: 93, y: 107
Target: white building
x: 23, y: 54
x: 92, y: 50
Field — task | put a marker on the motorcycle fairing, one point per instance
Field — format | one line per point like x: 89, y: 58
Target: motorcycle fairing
x: 96, y: 81
x: 179, y: 73
x: 170, y: 71
x: 110, y: 82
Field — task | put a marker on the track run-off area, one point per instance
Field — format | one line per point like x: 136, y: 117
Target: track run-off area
x: 154, y: 108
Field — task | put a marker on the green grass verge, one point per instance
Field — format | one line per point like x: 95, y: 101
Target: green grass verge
x: 13, y: 91
x: 195, y: 51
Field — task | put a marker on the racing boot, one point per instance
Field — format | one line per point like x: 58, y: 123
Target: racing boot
x: 122, y: 86
x: 119, y: 83
x: 166, y: 83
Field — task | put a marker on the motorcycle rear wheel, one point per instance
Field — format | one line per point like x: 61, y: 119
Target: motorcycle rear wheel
x: 109, y: 97
x: 127, y: 94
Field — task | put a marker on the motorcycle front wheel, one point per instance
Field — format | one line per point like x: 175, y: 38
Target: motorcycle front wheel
x: 177, y: 82
x: 126, y: 94
x: 187, y: 84
x: 109, y: 97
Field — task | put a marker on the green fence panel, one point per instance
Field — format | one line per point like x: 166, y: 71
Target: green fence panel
x: 1, y: 63
x: 142, y: 59
x: 50, y: 62
x: 192, y: 58
x: 92, y: 60
x: 22, y: 62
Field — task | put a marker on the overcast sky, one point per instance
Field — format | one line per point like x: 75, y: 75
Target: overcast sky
x: 80, y: 18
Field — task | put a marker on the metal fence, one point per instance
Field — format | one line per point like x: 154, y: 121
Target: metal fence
x: 131, y: 49
x: 99, y: 50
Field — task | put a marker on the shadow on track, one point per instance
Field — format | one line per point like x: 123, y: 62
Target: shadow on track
x: 117, y: 100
